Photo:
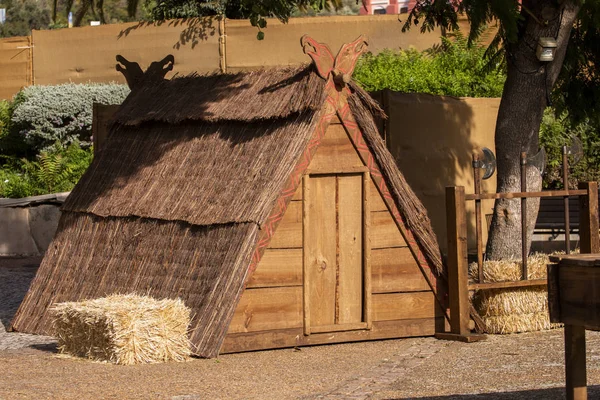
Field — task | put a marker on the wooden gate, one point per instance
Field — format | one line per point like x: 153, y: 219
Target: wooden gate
x: 335, y: 263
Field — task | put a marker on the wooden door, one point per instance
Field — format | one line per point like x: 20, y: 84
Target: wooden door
x: 335, y: 262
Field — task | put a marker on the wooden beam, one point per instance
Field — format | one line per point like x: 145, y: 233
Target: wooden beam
x: 366, y: 242
x: 338, y: 327
x: 509, y: 284
x: 588, y: 218
x: 456, y: 222
x: 294, y: 337
x: 522, y: 195
x: 575, y: 368
x: 306, y: 257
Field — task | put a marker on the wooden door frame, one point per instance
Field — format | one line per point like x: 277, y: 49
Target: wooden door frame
x: 366, y: 254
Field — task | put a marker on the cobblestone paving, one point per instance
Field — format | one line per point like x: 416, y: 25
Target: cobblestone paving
x: 510, y: 367
x: 380, y: 377
x: 15, y: 276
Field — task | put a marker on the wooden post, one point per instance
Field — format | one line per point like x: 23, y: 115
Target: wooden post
x: 478, y: 228
x: 367, y: 316
x: 588, y: 218
x: 565, y: 161
x: 305, y: 256
x: 524, y: 216
x: 458, y: 281
x: 576, y: 379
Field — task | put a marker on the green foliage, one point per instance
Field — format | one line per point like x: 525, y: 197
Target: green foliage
x: 4, y: 117
x: 453, y: 69
x: 24, y: 15
x: 345, y: 7
x: 55, y: 170
x: 255, y: 11
x: 43, y: 115
x: 578, y: 86
x: 555, y: 132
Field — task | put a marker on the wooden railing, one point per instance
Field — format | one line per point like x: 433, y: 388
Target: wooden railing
x: 457, y: 263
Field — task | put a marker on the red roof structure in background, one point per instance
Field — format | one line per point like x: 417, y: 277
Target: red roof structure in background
x: 387, y: 7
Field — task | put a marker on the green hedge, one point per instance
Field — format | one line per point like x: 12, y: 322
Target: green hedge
x: 44, y: 115
x: 556, y: 132
x: 452, y: 69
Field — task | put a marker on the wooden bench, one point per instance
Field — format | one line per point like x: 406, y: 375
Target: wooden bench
x: 552, y: 215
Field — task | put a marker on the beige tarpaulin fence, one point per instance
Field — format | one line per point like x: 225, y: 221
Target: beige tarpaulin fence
x: 88, y: 54
x: 203, y: 45
x: 15, y: 65
x: 433, y: 139
x: 281, y: 45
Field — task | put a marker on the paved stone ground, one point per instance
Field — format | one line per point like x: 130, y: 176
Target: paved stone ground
x: 15, y: 276
x: 515, y: 367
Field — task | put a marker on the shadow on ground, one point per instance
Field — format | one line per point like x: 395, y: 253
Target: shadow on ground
x: 15, y: 276
x: 546, y: 394
x: 47, y: 347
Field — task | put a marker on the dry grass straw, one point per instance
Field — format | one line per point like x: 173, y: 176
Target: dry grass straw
x: 123, y: 329
x: 518, y: 309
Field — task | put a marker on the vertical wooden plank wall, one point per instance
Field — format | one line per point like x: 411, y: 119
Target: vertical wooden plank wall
x: 400, y: 301
x: 350, y: 204
x: 321, y: 248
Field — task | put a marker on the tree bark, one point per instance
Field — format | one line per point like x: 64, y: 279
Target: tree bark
x: 526, y: 91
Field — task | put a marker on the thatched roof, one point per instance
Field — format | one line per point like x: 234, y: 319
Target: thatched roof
x: 174, y: 203
x: 244, y: 97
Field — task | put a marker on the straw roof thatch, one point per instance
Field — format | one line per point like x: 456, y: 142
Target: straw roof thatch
x: 173, y: 204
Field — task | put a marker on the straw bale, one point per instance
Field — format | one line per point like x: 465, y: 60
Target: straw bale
x: 245, y: 97
x: 123, y: 329
x: 511, y: 270
x: 513, y: 310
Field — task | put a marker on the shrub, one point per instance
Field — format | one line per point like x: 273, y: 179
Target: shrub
x: 555, y: 132
x: 43, y: 115
x: 452, y: 69
x: 55, y: 170
x: 4, y: 116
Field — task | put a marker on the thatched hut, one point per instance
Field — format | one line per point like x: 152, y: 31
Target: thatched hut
x: 266, y: 200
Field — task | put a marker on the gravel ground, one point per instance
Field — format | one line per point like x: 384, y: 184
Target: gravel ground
x: 525, y: 366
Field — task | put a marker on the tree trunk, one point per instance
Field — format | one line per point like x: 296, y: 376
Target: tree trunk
x: 528, y: 85
x: 83, y: 8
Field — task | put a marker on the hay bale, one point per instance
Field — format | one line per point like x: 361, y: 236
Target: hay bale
x: 513, y: 310
x: 123, y: 329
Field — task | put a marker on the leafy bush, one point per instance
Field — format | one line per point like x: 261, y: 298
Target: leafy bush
x: 43, y: 115
x: 452, y: 69
x: 556, y: 132
x: 55, y: 170
x: 5, y: 114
